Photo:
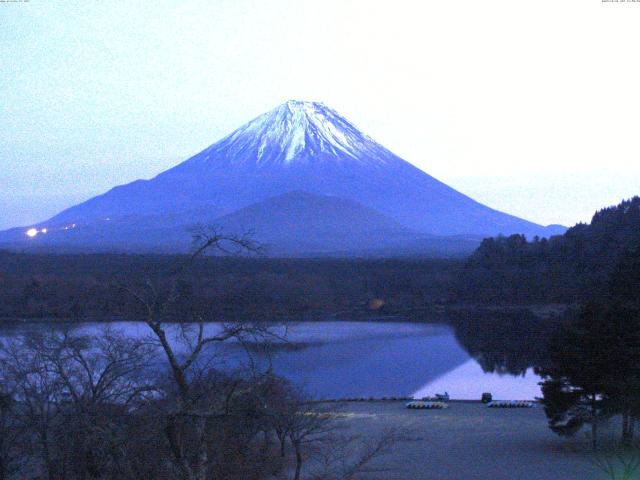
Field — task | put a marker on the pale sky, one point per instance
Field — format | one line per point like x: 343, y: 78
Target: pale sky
x: 532, y: 107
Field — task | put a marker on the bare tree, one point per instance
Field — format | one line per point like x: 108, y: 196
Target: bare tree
x: 316, y: 436
x: 70, y: 394
x: 9, y: 433
x: 350, y: 457
x: 38, y: 394
x: 102, y: 378
x: 184, y: 350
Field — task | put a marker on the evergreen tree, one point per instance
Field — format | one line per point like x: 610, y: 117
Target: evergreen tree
x: 574, y: 385
x: 594, y: 370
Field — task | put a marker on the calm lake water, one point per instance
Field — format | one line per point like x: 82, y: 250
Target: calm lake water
x: 361, y: 359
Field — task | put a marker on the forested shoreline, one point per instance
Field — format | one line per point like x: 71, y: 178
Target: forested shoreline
x: 503, y: 272
x: 570, y: 268
x: 89, y: 287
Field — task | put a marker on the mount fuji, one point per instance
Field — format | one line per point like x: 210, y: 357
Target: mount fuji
x: 302, y: 177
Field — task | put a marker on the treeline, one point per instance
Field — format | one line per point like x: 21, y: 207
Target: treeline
x: 565, y: 269
x: 570, y: 268
x: 80, y: 287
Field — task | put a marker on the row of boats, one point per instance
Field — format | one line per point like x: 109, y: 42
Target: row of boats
x: 440, y: 402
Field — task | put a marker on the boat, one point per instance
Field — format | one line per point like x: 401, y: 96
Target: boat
x: 427, y: 405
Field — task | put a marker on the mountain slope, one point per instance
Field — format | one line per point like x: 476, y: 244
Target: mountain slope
x: 300, y: 222
x: 292, y: 224
x: 298, y: 146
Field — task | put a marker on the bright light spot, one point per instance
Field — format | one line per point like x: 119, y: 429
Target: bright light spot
x: 44, y: 230
x: 32, y: 232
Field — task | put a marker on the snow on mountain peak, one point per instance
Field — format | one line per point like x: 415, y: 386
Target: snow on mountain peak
x: 296, y: 131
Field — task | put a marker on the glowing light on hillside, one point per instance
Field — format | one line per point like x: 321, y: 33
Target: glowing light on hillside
x: 32, y: 232
x: 44, y: 230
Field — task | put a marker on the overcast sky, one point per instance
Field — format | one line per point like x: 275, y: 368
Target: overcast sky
x: 532, y: 107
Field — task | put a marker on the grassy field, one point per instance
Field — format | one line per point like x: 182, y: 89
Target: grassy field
x: 470, y: 441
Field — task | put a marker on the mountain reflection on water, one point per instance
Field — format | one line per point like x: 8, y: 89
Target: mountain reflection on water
x: 504, y: 342
x: 504, y: 348
x: 475, y: 352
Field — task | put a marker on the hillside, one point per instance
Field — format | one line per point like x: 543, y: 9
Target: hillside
x: 567, y: 268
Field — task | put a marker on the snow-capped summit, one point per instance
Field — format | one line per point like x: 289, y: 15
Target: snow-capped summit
x: 296, y: 131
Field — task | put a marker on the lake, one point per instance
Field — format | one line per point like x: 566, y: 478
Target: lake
x: 340, y: 359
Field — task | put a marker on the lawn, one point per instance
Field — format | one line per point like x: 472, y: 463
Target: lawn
x: 470, y: 441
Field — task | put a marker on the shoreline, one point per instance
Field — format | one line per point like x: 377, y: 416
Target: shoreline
x: 411, y: 399
x: 437, y: 314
